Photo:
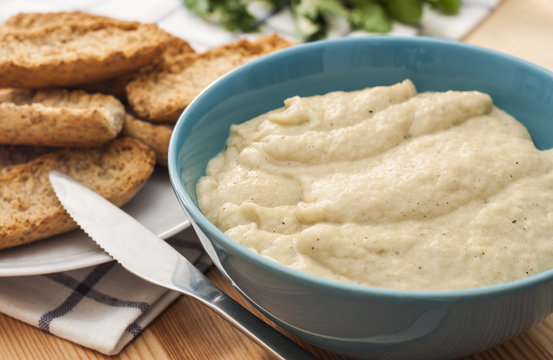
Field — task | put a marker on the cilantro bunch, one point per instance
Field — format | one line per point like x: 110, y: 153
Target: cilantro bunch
x: 313, y: 17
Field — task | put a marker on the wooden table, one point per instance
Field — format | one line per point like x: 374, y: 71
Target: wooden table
x: 187, y: 330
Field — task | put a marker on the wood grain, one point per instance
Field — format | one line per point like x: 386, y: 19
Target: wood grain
x: 187, y: 330
x: 523, y: 28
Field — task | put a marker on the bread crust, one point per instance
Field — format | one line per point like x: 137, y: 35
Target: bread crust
x: 76, y: 52
x: 117, y: 86
x: 30, y: 209
x: 161, y: 94
x: 113, y: 86
x: 58, y: 117
x: 36, y: 20
x: 156, y: 136
x: 11, y: 155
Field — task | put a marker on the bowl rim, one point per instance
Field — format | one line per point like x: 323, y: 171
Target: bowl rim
x: 196, y: 216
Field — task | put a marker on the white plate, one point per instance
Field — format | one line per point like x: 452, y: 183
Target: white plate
x: 155, y: 206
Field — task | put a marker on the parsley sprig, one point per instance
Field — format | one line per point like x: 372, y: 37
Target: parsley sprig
x: 313, y: 17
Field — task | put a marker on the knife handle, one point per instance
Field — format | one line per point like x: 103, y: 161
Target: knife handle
x: 187, y: 279
x: 265, y: 335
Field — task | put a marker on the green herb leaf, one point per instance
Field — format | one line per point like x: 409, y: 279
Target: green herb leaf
x: 312, y: 16
x: 405, y: 11
x: 277, y: 4
x: 448, y: 7
x: 370, y: 16
x: 232, y: 14
x: 200, y: 7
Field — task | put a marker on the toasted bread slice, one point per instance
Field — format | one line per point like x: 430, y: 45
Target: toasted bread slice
x: 11, y: 155
x: 156, y: 136
x: 36, y: 20
x: 32, y: 21
x: 113, y: 86
x: 76, y: 53
x: 30, y: 209
x: 117, y: 86
x: 162, y: 94
x: 58, y: 117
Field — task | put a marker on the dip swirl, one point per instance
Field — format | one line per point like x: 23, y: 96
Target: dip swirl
x: 388, y: 188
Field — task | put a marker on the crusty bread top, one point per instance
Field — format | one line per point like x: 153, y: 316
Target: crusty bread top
x: 116, y: 86
x: 58, y: 117
x: 29, y: 207
x: 35, y: 20
x: 162, y: 94
x: 76, y: 41
x: 76, y: 53
x: 116, y: 170
x: 175, y: 48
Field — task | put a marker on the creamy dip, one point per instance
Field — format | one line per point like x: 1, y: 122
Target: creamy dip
x: 387, y: 188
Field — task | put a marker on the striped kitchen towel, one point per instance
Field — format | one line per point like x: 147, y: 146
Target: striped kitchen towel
x: 102, y: 307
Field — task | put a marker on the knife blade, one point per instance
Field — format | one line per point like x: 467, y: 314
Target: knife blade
x: 142, y: 253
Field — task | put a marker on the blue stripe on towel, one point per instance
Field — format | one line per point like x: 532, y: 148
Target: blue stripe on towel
x: 80, y: 291
x: 98, y: 296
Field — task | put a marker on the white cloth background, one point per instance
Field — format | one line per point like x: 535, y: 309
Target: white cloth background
x: 104, y: 307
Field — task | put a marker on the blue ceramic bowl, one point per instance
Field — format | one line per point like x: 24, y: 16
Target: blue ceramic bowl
x: 353, y: 320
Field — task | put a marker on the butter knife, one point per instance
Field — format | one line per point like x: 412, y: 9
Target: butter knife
x: 142, y: 253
